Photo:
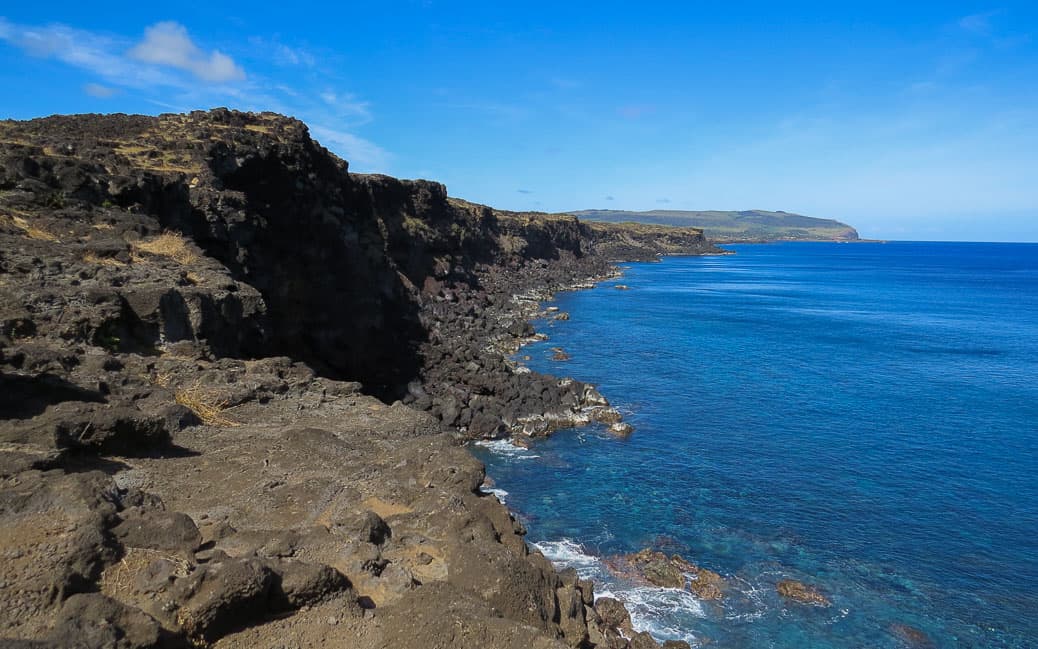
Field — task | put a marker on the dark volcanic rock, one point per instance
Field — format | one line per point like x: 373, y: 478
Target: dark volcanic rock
x: 55, y: 542
x: 222, y: 596
x: 299, y: 584
x: 157, y: 529
x: 93, y: 620
x: 199, y: 307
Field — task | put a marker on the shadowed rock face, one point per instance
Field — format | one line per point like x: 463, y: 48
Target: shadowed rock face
x: 338, y: 260
x: 182, y: 457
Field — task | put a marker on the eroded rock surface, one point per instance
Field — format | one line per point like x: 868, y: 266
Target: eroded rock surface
x: 235, y: 380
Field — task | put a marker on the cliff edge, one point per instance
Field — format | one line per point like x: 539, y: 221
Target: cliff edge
x: 234, y: 380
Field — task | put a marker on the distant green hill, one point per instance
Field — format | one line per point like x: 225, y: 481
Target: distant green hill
x: 750, y: 225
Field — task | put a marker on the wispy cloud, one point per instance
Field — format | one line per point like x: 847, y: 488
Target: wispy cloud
x: 99, y: 91
x: 610, y: 198
x: 94, y: 53
x: 986, y: 26
x: 524, y: 191
x: 294, y: 55
x: 119, y: 61
x: 168, y: 68
x: 355, y: 149
x: 346, y: 105
x: 663, y: 201
x: 979, y: 23
x: 282, y: 54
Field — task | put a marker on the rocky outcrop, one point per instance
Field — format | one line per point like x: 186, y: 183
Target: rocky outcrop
x: 801, y: 593
x: 234, y: 379
x: 654, y: 567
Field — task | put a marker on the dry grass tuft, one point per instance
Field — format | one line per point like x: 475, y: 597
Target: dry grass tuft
x: 169, y: 244
x: 92, y: 258
x: 152, y: 157
x: 260, y: 128
x: 32, y: 231
x: 198, y: 399
x: 205, y: 404
x: 118, y: 579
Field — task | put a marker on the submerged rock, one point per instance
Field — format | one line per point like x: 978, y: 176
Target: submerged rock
x: 911, y: 636
x: 801, y: 593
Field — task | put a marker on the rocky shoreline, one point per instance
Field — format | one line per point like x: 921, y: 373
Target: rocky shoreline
x: 235, y: 384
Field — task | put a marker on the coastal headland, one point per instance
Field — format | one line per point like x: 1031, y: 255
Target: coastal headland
x: 236, y: 381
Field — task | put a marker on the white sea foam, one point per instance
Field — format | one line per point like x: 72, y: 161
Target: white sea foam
x: 500, y: 493
x: 651, y: 607
x: 505, y: 448
x: 567, y: 554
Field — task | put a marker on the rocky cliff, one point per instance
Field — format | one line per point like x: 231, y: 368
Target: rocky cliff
x: 203, y: 318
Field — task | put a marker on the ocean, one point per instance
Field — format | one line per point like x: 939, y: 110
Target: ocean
x: 861, y: 417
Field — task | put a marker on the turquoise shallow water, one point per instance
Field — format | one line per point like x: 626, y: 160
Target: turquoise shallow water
x: 861, y: 417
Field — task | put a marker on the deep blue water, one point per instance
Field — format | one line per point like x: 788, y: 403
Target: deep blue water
x: 860, y: 417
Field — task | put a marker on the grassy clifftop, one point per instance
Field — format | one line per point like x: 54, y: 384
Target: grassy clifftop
x: 749, y: 225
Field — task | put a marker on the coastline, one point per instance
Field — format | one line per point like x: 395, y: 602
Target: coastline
x: 634, y: 591
x: 235, y: 383
x: 861, y: 583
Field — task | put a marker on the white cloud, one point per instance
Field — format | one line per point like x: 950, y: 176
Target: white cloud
x: 168, y: 43
x: 166, y: 67
x: 96, y: 53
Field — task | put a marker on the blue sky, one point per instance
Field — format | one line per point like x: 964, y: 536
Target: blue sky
x: 907, y: 120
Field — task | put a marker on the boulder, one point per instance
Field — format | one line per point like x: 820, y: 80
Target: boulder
x: 222, y: 596
x: 613, y: 613
x: 54, y: 542
x: 299, y: 584
x: 621, y: 429
x: 157, y: 529
x: 93, y: 620
x: 365, y: 526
